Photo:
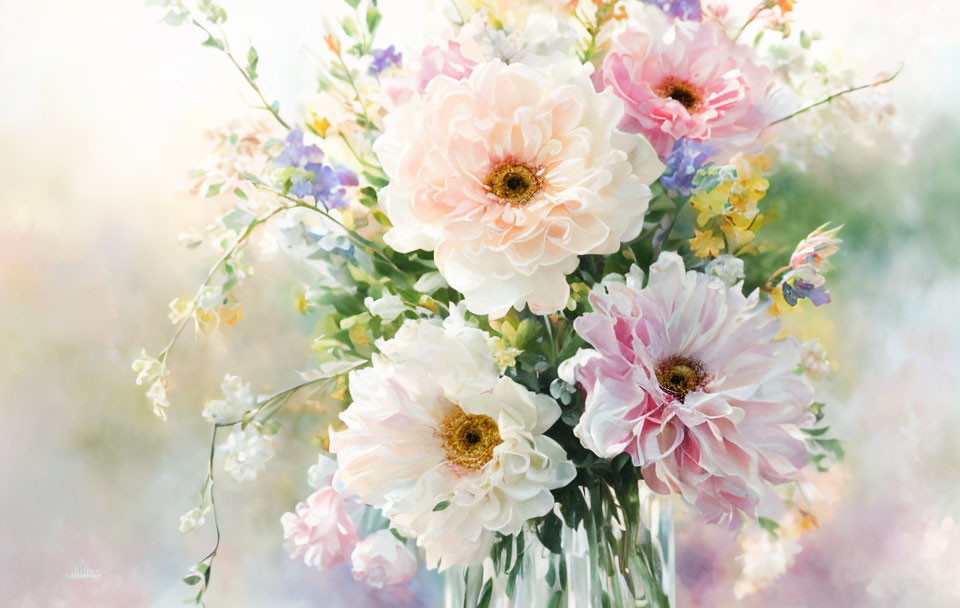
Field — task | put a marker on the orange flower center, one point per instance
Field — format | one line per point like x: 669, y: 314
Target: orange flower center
x: 469, y: 439
x: 682, y: 91
x: 513, y: 183
x: 678, y: 376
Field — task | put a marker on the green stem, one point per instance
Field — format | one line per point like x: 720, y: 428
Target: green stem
x: 353, y: 85
x: 363, y: 243
x: 830, y: 98
x: 357, y: 156
x: 226, y: 256
x: 243, y: 72
x: 660, y: 238
x: 554, y: 354
x: 744, y: 26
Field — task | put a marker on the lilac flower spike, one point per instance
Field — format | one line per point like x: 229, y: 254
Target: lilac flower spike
x: 384, y: 58
x: 295, y: 154
x: 686, y: 158
x: 304, y: 174
x: 687, y: 10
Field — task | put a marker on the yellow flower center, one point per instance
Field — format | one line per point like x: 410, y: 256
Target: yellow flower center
x: 469, y: 439
x: 678, y: 376
x: 513, y: 182
x: 682, y: 91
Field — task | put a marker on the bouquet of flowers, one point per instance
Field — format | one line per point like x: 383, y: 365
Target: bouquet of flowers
x: 540, y: 296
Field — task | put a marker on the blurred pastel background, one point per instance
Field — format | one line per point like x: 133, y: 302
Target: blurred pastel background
x: 102, y: 115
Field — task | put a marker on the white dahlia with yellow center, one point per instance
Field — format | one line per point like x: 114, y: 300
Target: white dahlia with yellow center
x: 449, y: 450
x: 510, y: 173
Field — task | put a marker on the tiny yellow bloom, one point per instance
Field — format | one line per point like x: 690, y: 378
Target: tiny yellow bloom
x: 705, y: 244
x: 320, y: 125
x: 358, y: 335
x: 340, y: 392
x: 779, y: 304
x: 711, y: 204
x: 231, y: 313
x: 429, y: 303
x: 180, y: 309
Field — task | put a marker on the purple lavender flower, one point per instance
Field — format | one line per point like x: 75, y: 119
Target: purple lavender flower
x: 687, y: 10
x: 686, y: 158
x: 384, y: 58
x: 801, y: 289
x: 304, y: 175
x: 295, y: 154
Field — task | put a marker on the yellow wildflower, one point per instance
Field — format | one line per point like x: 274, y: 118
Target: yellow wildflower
x: 705, y: 244
x: 711, y: 204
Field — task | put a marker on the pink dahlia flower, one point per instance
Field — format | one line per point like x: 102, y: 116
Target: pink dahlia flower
x: 509, y: 175
x: 700, y: 86
x: 320, y: 530
x: 687, y: 379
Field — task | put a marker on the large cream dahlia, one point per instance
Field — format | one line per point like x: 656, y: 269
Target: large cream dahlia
x: 687, y: 378
x: 510, y: 174
x: 450, y: 451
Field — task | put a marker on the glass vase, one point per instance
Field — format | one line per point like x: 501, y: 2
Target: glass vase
x: 623, y: 559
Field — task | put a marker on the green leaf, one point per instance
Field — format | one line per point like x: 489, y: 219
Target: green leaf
x: 768, y: 524
x: 213, y: 42
x: 252, y: 60
x: 805, y: 39
x: 240, y: 194
x: 605, y: 599
x: 214, y: 13
x: 373, y: 19
x: 214, y: 190
x: 191, y: 580
x: 397, y: 535
x: 352, y: 3
x: 349, y: 26
x: 486, y: 595
x: 833, y: 446
x: 440, y: 506
x: 551, y: 573
x: 375, y: 180
x: 236, y: 220
x: 527, y: 333
x: 174, y: 18
x: 816, y: 432
x: 549, y: 532
x: 272, y: 142
x: 555, y: 600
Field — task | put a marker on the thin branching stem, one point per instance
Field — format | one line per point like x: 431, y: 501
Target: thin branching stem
x: 836, y: 95
x: 256, y: 89
x: 358, y: 240
x: 216, y: 267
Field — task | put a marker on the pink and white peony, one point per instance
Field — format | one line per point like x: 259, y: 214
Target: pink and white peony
x: 381, y: 560
x: 510, y: 174
x: 687, y: 379
x: 450, y: 451
x: 692, y: 82
x: 320, y: 530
